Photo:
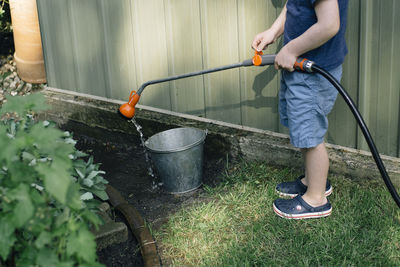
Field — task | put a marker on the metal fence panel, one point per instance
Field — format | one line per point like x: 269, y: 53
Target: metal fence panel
x: 258, y: 86
x: 183, y: 26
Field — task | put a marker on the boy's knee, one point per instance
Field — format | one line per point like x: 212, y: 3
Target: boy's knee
x: 319, y: 146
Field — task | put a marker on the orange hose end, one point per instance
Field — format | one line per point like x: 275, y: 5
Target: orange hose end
x: 257, y: 59
x: 128, y: 109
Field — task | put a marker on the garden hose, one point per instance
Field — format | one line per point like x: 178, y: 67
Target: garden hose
x: 309, y: 66
x: 128, y: 109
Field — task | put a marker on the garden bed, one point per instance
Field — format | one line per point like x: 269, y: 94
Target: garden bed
x: 122, y: 158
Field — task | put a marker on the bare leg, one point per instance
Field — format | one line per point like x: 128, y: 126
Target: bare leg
x: 316, y: 167
x: 304, y: 180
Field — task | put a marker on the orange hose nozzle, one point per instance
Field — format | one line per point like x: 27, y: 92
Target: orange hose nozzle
x: 128, y: 109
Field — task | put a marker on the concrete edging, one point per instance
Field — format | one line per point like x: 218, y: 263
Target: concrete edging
x: 234, y: 140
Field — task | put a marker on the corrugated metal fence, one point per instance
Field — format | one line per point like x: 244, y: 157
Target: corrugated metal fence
x: 109, y: 47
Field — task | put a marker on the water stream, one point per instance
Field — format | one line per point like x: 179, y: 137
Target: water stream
x: 150, y: 170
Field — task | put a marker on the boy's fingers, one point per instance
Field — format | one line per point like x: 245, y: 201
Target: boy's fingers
x: 279, y: 67
x: 255, y: 43
x: 263, y: 45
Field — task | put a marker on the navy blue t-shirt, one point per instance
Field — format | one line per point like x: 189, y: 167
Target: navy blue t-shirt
x: 300, y: 16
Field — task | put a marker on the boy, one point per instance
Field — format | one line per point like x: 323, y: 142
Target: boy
x: 313, y: 29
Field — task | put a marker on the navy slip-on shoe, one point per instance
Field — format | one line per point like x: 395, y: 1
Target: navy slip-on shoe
x: 294, y: 188
x: 297, y: 208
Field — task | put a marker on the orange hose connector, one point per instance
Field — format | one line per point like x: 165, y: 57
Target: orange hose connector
x: 257, y: 59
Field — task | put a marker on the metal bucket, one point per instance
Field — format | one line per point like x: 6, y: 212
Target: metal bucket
x: 177, y: 155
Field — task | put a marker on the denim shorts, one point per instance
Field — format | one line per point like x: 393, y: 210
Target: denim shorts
x: 305, y: 100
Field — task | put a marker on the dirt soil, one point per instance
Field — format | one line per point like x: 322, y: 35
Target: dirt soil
x: 122, y: 158
x: 122, y: 254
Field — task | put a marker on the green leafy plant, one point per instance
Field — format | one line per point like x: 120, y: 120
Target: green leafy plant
x: 5, y: 17
x: 2, y: 4
x: 46, y: 191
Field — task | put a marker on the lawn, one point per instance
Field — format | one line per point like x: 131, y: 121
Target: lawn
x: 236, y: 225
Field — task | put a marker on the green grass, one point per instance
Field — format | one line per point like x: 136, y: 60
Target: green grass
x: 237, y: 226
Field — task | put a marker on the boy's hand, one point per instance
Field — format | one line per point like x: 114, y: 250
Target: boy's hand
x: 262, y: 40
x: 285, y: 59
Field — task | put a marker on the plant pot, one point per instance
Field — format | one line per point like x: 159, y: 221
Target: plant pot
x: 28, y: 45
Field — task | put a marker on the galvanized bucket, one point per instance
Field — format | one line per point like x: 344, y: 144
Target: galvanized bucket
x: 177, y: 155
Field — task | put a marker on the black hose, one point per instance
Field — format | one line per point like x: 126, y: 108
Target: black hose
x: 364, y: 130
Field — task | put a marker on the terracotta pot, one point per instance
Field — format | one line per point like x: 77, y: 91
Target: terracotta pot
x: 28, y: 45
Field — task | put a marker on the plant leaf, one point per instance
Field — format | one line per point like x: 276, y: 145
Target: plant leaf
x: 79, y: 173
x: 100, y: 194
x: 63, y: 217
x: 100, y: 180
x: 88, y: 182
x: 87, y: 196
x: 24, y: 208
x: 47, y: 257
x: 43, y: 239
x: 82, y: 245
x: 94, y: 174
x: 80, y: 154
x: 48, y: 140
x: 7, y: 237
x: 56, y: 180
x: 21, y: 173
x: 90, y: 161
x: 24, y: 104
x: 79, y: 163
x: 27, y: 256
x: 8, y: 148
x: 70, y: 141
x: 92, y: 217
